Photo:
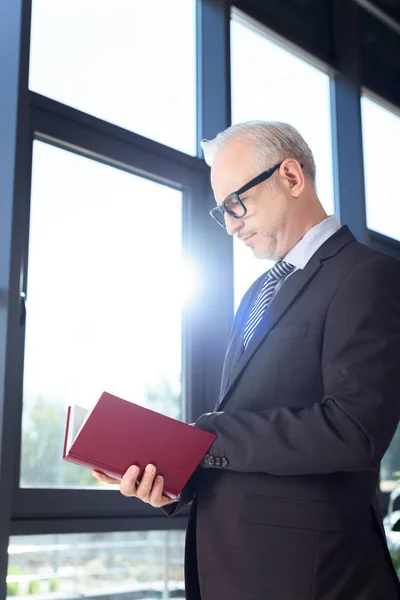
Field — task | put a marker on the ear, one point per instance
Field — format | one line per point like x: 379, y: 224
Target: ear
x: 292, y: 176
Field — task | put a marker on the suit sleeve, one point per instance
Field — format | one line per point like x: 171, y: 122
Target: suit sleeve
x: 351, y: 427
x: 185, y: 499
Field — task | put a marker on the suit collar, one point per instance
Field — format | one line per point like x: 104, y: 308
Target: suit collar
x: 335, y: 243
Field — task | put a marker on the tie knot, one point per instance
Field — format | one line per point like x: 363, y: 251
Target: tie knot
x: 280, y: 269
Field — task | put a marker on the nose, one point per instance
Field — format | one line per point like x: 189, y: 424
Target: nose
x: 232, y: 225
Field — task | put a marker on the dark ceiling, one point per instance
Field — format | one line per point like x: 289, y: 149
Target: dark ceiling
x: 318, y: 25
x: 390, y: 7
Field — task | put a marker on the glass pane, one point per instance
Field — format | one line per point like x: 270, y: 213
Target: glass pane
x: 390, y: 468
x: 381, y: 130
x: 381, y: 134
x: 95, y: 319
x: 273, y: 84
x: 128, y: 62
x: 140, y: 564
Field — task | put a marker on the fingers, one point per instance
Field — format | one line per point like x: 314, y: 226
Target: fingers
x: 150, y: 488
x: 128, y: 485
x: 146, y: 485
x: 106, y: 478
x: 157, y: 499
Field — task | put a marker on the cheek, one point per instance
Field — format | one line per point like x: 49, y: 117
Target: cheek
x: 277, y: 211
x: 266, y: 212
x: 269, y: 219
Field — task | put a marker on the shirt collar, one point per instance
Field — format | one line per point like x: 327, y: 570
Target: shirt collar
x: 305, y: 248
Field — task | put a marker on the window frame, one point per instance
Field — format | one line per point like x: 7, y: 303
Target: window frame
x: 67, y: 128
x: 28, y: 510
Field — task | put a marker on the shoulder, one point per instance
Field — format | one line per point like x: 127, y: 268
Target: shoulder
x: 357, y: 260
x: 365, y: 261
x: 369, y: 279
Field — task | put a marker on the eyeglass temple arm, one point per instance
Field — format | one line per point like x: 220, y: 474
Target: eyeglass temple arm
x: 258, y: 179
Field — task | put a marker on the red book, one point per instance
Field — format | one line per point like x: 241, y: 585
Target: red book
x: 116, y: 434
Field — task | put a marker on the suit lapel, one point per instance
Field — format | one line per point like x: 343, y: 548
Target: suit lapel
x: 284, y: 298
x: 291, y: 289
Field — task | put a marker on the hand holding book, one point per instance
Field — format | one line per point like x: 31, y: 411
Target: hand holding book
x: 149, y: 490
x: 117, y: 435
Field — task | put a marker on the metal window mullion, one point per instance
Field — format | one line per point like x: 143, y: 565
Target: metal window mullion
x: 15, y: 161
x: 84, y: 134
x: 214, y: 248
x: 346, y: 120
x: 97, y: 525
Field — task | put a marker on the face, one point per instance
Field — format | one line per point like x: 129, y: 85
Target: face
x: 266, y: 226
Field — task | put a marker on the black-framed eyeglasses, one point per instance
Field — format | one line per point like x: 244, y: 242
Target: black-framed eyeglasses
x: 233, y: 205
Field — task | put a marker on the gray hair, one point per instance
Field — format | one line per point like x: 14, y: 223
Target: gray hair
x: 273, y: 141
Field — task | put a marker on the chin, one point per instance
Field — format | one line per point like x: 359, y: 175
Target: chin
x: 264, y: 256
x: 264, y: 253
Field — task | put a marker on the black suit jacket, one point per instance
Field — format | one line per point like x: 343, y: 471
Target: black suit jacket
x: 304, y: 417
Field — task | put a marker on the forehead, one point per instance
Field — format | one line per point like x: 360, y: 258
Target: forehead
x: 232, y: 167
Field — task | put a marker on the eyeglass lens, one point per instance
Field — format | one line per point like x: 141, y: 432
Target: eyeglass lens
x: 233, y: 206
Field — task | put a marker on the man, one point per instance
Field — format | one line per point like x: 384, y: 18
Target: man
x: 284, y: 505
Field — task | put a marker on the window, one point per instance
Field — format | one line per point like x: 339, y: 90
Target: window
x: 105, y: 291
x: 390, y: 467
x: 381, y: 132
x: 141, y: 564
x: 272, y: 84
x: 116, y: 61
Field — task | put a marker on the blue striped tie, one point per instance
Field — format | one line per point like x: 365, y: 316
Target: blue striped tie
x: 279, y: 271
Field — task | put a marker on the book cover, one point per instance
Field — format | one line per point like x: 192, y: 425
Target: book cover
x: 117, y: 433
